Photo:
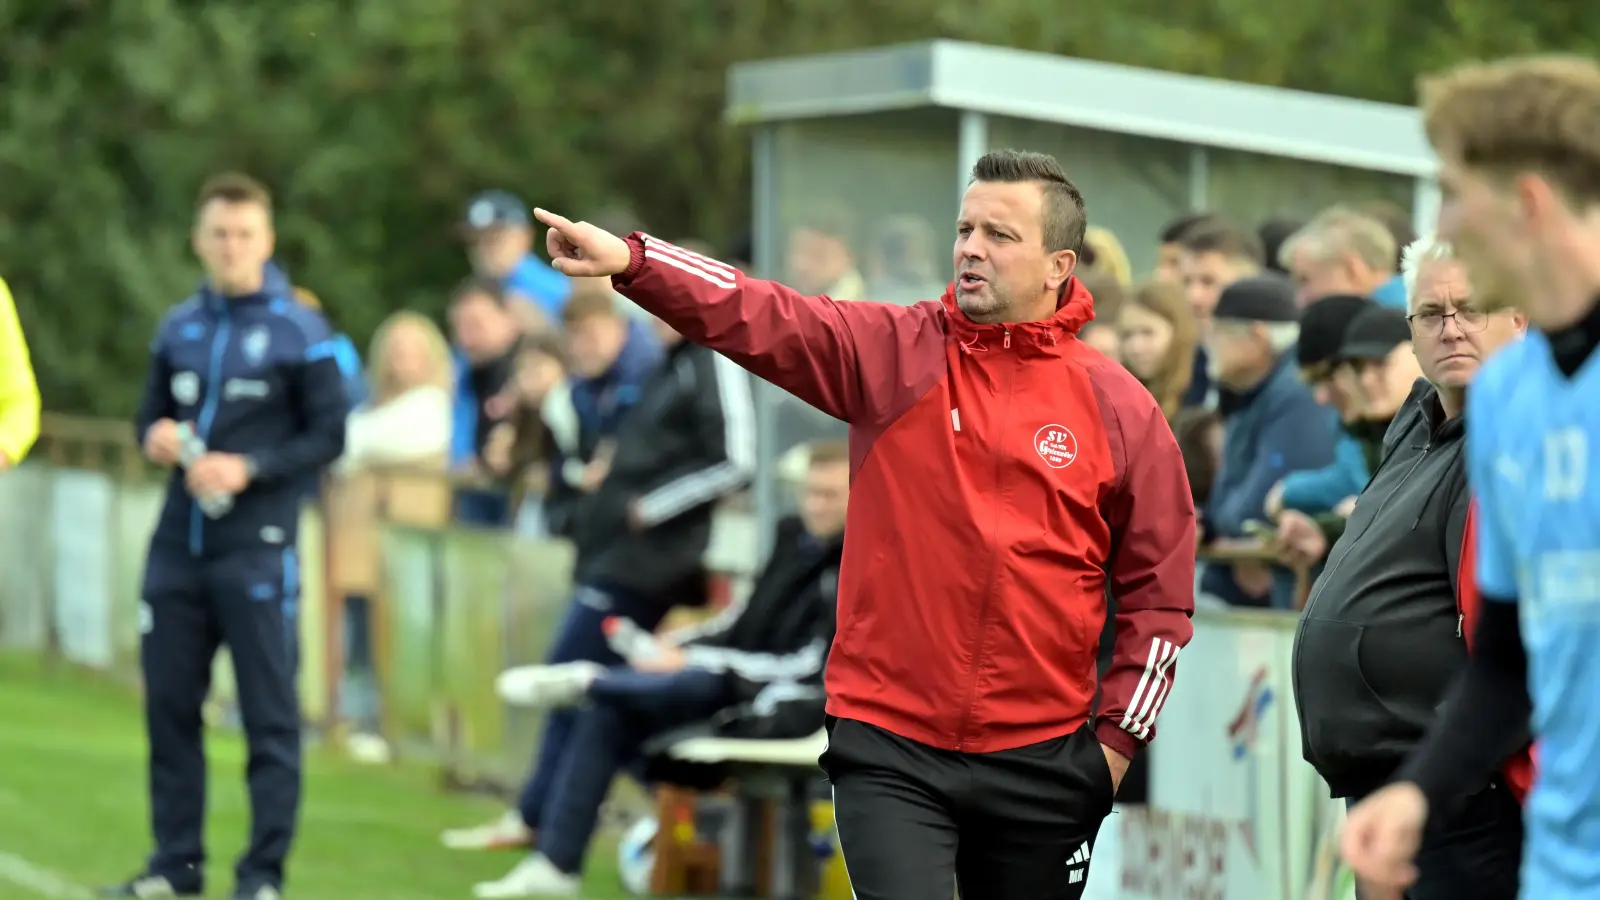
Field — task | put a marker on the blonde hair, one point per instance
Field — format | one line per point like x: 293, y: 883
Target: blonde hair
x: 1110, y: 259
x: 382, y: 380
x: 1524, y: 114
x: 1339, y: 230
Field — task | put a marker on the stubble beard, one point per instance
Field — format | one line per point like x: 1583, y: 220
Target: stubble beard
x: 985, y: 307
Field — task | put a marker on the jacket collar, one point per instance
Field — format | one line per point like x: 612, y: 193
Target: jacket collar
x: 1440, y: 427
x: 1074, y: 309
x: 274, y: 285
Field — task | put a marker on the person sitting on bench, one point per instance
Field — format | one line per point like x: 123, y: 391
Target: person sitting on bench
x: 744, y: 663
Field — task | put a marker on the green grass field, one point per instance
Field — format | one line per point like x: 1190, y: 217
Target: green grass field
x: 73, y: 811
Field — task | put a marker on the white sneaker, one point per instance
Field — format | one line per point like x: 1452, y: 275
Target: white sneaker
x: 535, y: 876
x: 505, y: 833
x: 562, y: 684
x: 369, y: 749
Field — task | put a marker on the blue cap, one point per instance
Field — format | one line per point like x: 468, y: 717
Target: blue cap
x: 496, y: 208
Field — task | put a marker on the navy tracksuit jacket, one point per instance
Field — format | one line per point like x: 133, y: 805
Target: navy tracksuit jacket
x: 255, y: 375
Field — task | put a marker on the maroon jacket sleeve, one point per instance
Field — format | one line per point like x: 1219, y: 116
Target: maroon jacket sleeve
x: 845, y: 359
x: 1151, y: 567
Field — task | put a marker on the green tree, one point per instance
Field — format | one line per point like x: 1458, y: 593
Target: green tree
x: 373, y: 119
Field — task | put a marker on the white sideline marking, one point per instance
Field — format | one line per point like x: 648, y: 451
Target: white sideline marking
x: 26, y: 875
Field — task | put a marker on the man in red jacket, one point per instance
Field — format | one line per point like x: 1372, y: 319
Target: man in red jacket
x: 1007, y: 479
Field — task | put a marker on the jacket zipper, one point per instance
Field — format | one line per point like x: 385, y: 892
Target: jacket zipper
x: 208, y: 414
x: 1426, y: 448
x: 994, y: 560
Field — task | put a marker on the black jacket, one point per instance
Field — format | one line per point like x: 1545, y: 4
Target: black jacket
x: 773, y: 649
x: 776, y: 642
x: 688, y: 442
x: 257, y: 376
x: 1380, y: 638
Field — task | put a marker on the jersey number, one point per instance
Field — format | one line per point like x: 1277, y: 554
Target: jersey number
x: 1566, y: 464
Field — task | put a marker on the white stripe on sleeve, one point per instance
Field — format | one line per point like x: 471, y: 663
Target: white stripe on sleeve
x: 1151, y: 692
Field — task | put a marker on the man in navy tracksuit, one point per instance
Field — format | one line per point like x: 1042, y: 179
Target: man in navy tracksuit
x: 245, y: 399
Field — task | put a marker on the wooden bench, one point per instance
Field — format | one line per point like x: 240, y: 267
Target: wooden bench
x: 775, y: 774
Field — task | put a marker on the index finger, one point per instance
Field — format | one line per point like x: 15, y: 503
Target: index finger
x: 560, y: 223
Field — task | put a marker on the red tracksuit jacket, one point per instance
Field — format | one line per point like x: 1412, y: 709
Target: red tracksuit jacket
x: 1003, y: 477
x: 1519, y: 769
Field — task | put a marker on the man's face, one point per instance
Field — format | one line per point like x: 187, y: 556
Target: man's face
x: 1001, y: 263
x: 234, y: 242
x: 817, y: 261
x: 1451, y: 338
x: 1235, y: 350
x: 1387, y: 381
x: 481, y: 327
x: 824, y: 495
x: 1169, y: 264
x: 497, y: 250
x: 1317, y: 276
x: 1205, y: 275
x: 593, y: 344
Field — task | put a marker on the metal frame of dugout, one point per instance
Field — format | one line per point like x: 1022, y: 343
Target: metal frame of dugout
x: 1144, y: 146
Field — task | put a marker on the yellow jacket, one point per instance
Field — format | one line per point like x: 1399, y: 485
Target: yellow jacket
x: 19, y: 392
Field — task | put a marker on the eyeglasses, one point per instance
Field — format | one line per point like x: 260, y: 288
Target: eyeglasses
x: 1432, y: 324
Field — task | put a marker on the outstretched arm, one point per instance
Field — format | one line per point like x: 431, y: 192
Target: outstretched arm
x: 854, y: 361
x: 841, y: 357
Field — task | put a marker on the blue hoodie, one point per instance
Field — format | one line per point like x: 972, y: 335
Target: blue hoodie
x: 1391, y: 293
x: 543, y: 285
x: 1314, y: 491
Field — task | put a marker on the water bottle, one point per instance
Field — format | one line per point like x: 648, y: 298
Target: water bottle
x: 628, y: 640
x: 190, y: 448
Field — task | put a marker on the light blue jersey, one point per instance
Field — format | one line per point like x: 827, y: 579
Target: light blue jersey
x: 1533, y: 440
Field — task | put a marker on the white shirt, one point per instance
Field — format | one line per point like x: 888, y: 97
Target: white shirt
x: 415, y: 425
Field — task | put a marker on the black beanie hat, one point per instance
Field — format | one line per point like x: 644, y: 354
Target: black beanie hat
x: 1259, y: 298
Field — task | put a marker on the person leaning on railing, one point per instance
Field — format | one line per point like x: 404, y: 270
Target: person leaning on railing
x: 19, y: 392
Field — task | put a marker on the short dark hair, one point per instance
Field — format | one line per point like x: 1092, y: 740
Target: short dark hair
x: 233, y: 187
x: 1226, y: 238
x: 480, y: 286
x: 1174, y: 230
x: 1064, y: 219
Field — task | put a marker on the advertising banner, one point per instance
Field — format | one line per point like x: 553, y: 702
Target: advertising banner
x: 1235, y: 813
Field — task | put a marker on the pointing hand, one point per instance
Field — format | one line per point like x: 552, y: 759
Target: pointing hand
x: 581, y: 250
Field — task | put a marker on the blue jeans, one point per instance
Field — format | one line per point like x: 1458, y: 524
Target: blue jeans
x: 581, y: 638
x: 625, y: 709
x: 358, y: 687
